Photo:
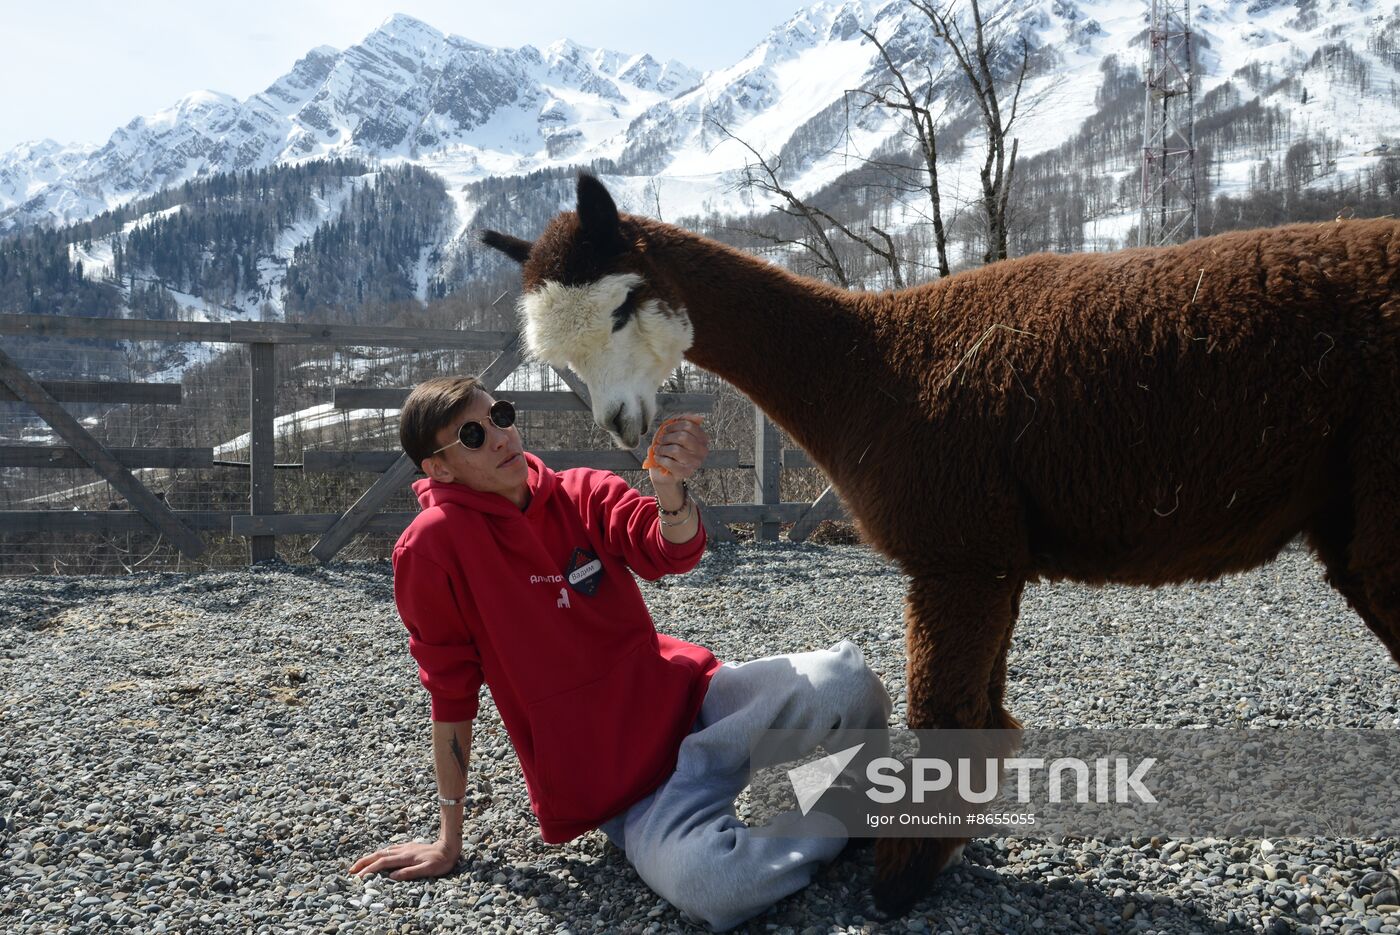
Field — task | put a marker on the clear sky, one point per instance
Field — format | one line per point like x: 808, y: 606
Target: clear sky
x: 75, y: 70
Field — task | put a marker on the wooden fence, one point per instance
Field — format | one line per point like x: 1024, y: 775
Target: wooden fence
x: 262, y: 524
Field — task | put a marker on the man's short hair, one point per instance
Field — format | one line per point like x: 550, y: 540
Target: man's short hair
x: 431, y: 406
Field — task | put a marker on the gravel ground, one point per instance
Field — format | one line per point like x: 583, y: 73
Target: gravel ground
x: 210, y: 753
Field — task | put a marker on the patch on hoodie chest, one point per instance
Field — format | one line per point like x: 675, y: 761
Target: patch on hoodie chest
x: 585, y: 572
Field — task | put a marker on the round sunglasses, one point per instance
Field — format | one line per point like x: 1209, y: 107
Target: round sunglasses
x: 472, y: 434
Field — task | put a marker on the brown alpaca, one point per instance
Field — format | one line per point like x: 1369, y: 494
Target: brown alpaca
x: 1149, y: 416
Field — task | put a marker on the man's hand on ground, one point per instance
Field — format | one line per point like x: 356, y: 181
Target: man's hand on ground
x: 414, y: 860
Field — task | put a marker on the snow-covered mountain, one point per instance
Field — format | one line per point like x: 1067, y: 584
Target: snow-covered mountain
x: 406, y: 92
x: 32, y: 168
x: 676, y: 140
x: 791, y: 94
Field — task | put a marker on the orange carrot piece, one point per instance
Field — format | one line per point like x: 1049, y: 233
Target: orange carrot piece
x: 651, y: 463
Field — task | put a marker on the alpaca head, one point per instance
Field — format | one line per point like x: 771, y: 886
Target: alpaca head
x: 589, y: 304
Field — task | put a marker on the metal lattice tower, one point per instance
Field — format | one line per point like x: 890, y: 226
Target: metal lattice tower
x: 1168, y: 128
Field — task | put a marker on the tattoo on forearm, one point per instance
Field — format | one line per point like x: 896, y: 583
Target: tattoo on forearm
x: 459, y: 756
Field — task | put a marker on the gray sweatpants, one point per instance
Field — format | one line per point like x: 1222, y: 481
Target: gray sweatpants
x: 684, y: 839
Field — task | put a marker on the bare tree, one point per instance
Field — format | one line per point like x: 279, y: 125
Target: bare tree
x: 917, y: 103
x: 977, y: 60
x: 763, y: 174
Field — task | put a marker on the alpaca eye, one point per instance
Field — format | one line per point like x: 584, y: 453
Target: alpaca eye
x: 623, y: 313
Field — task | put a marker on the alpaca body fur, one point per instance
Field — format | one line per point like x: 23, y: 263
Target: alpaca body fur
x: 1112, y: 428
x: 1149, y: 416
x: 1077, y: 416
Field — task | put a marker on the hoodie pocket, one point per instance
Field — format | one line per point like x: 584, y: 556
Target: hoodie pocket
x: 604, y: 744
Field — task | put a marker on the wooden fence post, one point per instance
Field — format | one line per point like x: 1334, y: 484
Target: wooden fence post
x: 262, y: 453
x: 767, y: 466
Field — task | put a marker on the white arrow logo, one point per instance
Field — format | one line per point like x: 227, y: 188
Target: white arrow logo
x: 811, y: 780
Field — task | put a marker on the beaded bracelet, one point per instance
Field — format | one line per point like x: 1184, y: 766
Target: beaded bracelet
x: 685, y: 498
x: 679, y: 522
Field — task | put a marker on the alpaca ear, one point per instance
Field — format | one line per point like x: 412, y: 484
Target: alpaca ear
x: 513, y: 247
x: 597, y: 214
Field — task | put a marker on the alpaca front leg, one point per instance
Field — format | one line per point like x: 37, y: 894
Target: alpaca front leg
x: 957, y: 631
x: 1003, y: 719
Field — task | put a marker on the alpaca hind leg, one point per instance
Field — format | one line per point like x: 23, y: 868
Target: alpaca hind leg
x: 1375, y: 563
x: 1383, y: 593
x: 957, y: 630
x: 1371, y: 585
x: 1331, y: 538
x: 1359, y: 538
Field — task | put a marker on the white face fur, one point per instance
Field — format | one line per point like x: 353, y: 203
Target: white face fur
x: 573, y: 326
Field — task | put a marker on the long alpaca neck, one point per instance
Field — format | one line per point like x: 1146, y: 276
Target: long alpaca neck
x: 794, y: 346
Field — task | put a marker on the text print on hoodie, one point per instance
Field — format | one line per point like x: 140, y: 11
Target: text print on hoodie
x: 595, y: 701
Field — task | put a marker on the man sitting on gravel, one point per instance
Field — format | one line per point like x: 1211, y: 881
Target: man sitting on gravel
x: 520, y: 577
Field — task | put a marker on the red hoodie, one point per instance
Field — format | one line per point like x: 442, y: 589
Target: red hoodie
x: 595, y: 701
